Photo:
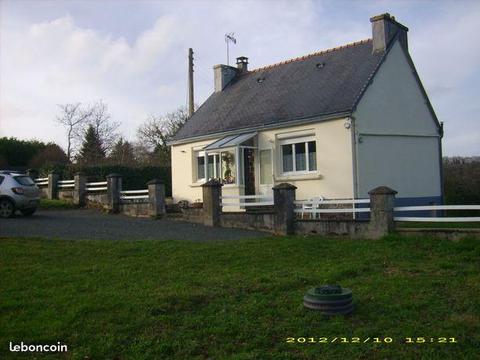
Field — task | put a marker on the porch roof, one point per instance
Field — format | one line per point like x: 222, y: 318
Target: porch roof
x: 230, y: 141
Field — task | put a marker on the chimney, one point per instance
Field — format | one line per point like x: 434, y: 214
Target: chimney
x: 223, y: 74
x: 384, y: 30
x: 242, y: 64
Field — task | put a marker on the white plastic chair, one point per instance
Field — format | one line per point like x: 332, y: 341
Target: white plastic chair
x: 311, y: 206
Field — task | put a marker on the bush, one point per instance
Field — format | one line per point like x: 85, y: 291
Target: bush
x: 461, y: 180
x: 18, y: 153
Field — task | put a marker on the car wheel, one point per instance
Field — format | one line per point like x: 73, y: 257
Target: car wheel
x: 28, y: 212
x: 6, y: 208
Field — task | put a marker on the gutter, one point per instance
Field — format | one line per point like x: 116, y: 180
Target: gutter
x: 299, y: 121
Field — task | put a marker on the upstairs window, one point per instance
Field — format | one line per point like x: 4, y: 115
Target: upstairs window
x: 299, y: 156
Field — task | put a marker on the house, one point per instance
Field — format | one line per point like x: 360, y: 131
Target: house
x: 336, y: 124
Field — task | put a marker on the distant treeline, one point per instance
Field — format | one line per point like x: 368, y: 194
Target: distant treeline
x: 461, y: 180
x: 21, y: 155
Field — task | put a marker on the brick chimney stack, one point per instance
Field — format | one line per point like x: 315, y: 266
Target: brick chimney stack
x: 384, y: 30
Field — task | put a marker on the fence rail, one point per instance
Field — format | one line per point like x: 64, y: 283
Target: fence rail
x: 96, y: 186
x: 128, y: 192
x: 100, y: 188
x: 332, y: 211
x: 265, y: 200
x: 66, y: 184
x: 315, y: 206
x: 134, y: 194
x: 436, y: 218
x: 96, y: 183
x: 333, y: 202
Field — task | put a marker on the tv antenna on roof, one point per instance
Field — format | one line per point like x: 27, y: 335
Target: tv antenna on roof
x: 229, y: 38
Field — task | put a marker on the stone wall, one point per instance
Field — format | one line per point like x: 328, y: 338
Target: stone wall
x: 97, y: 200
x: 65, y: 194
x: 350, y: 228
x: 243, y: 220
x: 135, y: 209
x: 43, y: 192
x: 194, y: 215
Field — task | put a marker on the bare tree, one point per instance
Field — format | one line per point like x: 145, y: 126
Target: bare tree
x: 158, y: 130
x: 101, y: 120
x: 72, y: 117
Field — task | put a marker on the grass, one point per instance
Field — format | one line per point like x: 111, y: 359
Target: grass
x: 439, y: 225
x: 47, y: 204
x: 238, y: 299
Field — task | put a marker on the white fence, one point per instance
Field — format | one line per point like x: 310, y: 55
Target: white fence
x: 66, y: 184
x: 435, y: 218
x: 134, y: 194
x: 41, y: 181
x: 315, y: 207
x: 97, y: 186
x: 242, y: 200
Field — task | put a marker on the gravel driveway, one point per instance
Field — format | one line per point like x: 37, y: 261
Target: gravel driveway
x: 92, y: 224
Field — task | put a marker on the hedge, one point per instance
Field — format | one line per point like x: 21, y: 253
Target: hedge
x: 133, y: 178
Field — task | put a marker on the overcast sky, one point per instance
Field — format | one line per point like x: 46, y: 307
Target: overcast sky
x: 133, y: 54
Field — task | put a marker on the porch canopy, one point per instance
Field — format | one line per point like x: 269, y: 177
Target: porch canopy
x: 230, y: 141
x: 224, y: 158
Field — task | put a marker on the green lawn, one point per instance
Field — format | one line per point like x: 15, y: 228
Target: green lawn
x: 439, y: 225
x: 239, y: 299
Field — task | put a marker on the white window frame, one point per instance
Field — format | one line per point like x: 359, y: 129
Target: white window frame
x: 198, y: 154
x: 292, y: 141
x: 205, y: 155
x: 215, y: 155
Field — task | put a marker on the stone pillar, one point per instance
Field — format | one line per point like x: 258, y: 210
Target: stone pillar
x: 52, y: 189
x: 114, y: 187
x: 33, y: 173
x: 382, y: 202
x: 156, y: 198
x: 80, y: 189
x: 212, y: 207
x: 284, y: 204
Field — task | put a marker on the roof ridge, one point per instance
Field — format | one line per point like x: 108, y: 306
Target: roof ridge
x: 300, y: 58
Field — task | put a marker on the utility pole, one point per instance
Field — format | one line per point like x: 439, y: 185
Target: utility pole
x: 190, y: 83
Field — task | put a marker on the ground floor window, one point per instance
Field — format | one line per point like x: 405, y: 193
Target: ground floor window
x: 213, y: 170
x: 200, y: 165
x: 215, y: 166
x: 299, y: 155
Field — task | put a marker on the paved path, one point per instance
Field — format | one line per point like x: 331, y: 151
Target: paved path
x: 92, y: 224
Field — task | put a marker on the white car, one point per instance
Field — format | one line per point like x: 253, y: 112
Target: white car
x: 17, y: 192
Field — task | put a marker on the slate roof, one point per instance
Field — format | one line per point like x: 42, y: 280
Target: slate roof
x: 320, y: 84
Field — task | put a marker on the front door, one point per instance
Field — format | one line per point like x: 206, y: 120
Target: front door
x: 249, y: 168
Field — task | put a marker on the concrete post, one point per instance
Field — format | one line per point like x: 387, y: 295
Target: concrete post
x: 52, y: 189
x: 212, y: 207
x: 156, y: 198
x: 114, y: 187
x: 382, y: 202
x: 33, y: 173
x: 80, y: 189
x: 284, y: 204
